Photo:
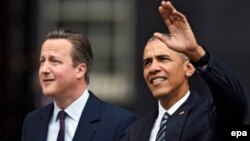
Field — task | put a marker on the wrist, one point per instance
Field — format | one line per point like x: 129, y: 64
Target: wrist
x: 197, y: 54
x: 201, y: 60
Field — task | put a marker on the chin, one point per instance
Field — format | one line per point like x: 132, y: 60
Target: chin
x: 159, y: 95
x: 48, y: 93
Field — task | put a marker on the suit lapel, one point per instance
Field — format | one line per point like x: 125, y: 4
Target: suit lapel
x: 177, y: 121
x: 43, y: 122
x: 145, y: 128
x: 90, y: 114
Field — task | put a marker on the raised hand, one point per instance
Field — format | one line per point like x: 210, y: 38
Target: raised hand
x: 181, y: 38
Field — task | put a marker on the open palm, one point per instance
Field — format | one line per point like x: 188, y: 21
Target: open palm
x: 181, y: 38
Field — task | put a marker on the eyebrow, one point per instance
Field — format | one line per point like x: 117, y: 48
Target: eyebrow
x: 147, y: 58
x: 53, y: 56
x: 163, y: 55
x: 158, y: 56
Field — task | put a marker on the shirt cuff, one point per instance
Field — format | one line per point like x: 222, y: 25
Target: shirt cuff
x: 202, y: 64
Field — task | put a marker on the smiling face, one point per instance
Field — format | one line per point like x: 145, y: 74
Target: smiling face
x: 165, y: 71
x: 57, y: 75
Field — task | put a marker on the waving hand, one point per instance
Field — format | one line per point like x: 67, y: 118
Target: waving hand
x: 181, y: 38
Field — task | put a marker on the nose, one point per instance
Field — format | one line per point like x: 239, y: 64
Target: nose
x: 154, y: 67
x: 45, y: 68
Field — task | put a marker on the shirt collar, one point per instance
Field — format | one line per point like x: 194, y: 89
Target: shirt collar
x: 75, y: 109
x: 173, y: 108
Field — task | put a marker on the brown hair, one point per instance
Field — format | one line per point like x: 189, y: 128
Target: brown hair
x: 81, y: 52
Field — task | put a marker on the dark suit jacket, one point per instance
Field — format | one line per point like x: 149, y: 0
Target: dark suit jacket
x: 202, y: 117
x: 100, y: 121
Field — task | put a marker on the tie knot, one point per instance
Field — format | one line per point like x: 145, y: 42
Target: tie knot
x: 164, y: 118
x: 61, y: 115
x: 166, y: 115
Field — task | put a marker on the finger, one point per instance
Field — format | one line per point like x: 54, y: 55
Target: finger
x: 174, y: 16
x: 158, y: 35
x: 163, y: 37
x: 172, y: 19
x: 164, y: 15
x: 179, y: 16
x: 168, y: 12
x: 168, y: 6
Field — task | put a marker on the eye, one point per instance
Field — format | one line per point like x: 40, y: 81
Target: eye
x: 146, y: 62
x: 42, y: 60
x: 164, y: 58
x: 54, y: 61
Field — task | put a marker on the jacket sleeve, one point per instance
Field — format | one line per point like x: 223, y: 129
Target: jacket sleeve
x: 123, y: 127
x: 227, y: 92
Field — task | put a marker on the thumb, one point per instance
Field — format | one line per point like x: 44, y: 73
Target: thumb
x: 163, y: 37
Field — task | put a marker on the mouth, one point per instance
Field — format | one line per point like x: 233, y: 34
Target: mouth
x: 47, y: 81
x: 157, y: 80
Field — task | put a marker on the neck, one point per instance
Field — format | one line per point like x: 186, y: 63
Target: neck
x: 168, y: 101
x: 67, y: 99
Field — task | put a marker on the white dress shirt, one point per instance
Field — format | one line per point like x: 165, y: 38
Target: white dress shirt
x: 72, y: 118
x: 161, y: 112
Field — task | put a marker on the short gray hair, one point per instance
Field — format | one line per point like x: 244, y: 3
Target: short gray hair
x: 153, y: 38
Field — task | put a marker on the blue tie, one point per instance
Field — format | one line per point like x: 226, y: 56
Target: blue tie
x: 61, y: 115
x: 161, y: 133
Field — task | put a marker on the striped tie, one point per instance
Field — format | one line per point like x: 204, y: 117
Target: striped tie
x: 161, y: 133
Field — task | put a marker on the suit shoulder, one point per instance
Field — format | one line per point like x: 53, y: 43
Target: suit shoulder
x: 108, y: 108
x: 110, y: 111
x: 146, y: 119
x: 115, y: 110
x: 38, y: 112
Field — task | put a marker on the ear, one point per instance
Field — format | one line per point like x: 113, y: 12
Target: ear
x: 189, y: 68
x: 81, y: 70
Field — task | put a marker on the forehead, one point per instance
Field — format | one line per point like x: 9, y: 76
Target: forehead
x: 56, y: 46
x: 157, y: 47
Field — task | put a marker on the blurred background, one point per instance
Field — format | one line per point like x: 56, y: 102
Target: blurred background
x: 117, y: 30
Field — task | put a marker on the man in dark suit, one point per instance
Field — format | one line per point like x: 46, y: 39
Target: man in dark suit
x: 182, y: 113
x: 76, y: 114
